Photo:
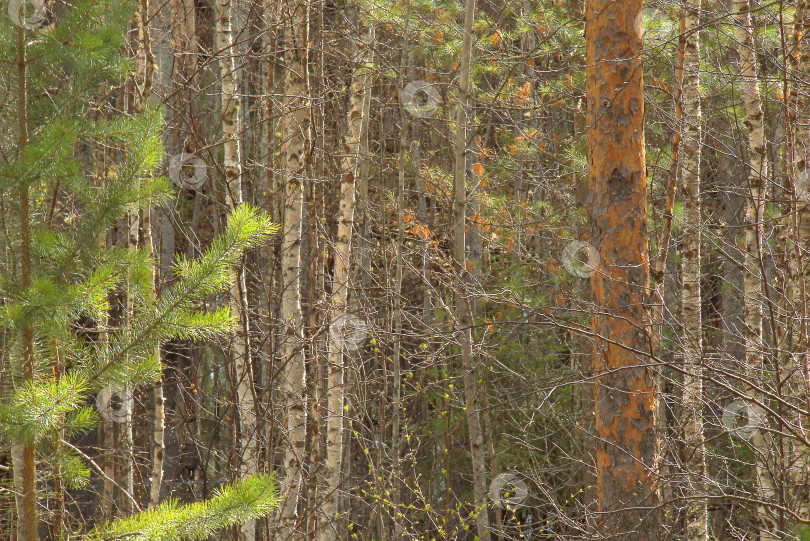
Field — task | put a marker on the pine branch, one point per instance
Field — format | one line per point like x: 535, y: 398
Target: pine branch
x: 251, y: 498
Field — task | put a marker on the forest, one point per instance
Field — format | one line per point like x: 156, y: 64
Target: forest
x: 389, y: 270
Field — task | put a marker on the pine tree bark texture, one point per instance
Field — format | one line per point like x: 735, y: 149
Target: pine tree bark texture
x: 691, y: 141
x: 624, y: 395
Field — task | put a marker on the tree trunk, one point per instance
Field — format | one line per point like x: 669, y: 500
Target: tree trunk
x: 157, y: 230
x: 240, y: 348
x: 24, y: 452
x: 800, y: 266
x: 463, y: 307
x: 340, y: 286
x: 295, y: 129
x: 624, y: 394
x: 757, y: 171
x: 695, y: 464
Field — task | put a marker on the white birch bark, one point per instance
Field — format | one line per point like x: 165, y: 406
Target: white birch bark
x: 695, y: 489
x: 157, y: 233
x: 799, y: 120
x: 295, y: 130
x: 240, y: 346
x: 752, y: 283
x: 340, y: 290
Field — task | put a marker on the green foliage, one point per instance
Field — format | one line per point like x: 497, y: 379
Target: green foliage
x: 253, y: 497
x: 85, y: 168
x: 803, y: 532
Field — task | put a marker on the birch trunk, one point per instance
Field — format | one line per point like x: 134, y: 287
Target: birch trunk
x: 159, y: 428
x: 396, y: 425
x: 799, y: 120
x: 295, y: 130
x: 102, y: 325
x: 158, y: 226
x: 658, y: 276
x: 695, y: 483
x: 240, y: 346
x: 128, y: 443
x: 752, y: 284
x: 464, y: 332
x: 340, y: 287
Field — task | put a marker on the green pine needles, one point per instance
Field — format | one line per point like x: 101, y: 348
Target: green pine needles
x: 239, y: 502
x: 70, y: 169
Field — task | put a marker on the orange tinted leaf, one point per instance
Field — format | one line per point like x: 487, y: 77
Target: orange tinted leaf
x: 525, y: 89
x: 478, y: 168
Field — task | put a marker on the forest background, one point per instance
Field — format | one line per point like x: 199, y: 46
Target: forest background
x: 411, y: 269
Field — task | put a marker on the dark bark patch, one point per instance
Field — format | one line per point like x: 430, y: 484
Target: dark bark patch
x: 621, y: 183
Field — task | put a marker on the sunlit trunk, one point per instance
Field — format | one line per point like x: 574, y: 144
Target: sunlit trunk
x: 295, y: 130
x: 617, y: 208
